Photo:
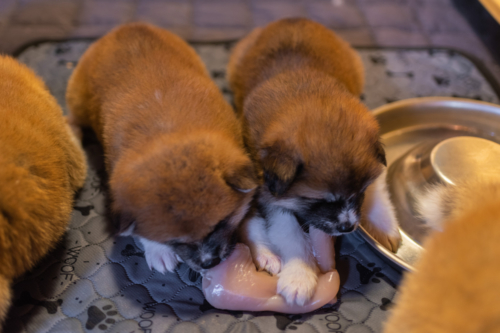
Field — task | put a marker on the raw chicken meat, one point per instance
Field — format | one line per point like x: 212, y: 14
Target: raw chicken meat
x: 322, y: 245
x: 235, y: 284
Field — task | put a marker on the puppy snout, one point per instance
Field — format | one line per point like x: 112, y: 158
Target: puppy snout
x: 210, y: 263
x: 345, y: 227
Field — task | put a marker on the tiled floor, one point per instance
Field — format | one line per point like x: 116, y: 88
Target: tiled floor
x: 389, y: 23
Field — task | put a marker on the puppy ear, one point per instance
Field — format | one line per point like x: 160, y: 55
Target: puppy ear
x: 380, y: 153
x: 280, y: 168
x: 243, y: 178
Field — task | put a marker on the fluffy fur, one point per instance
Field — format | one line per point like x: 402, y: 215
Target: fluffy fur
x: 459, y: 269
x: 296, y: 85
x: 41, y: 167
x: 174, y: 149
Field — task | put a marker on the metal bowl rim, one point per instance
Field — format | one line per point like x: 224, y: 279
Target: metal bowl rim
x: 434, y: 101
x: 410, y: 102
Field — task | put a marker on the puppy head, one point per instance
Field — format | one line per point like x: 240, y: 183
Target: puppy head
x: 190, y: 192
x: 319, y: 164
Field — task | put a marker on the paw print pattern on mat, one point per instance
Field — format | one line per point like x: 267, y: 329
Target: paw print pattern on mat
x: 386, y: 304
x: 365, y: 274
x: 96, y: 316
x: 85, y: 210
x: 130, y: 250
x: 188, y: 276
x: 26, y: 298
x: 283, y: 322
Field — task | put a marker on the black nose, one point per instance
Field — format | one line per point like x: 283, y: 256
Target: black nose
x: 210, y: 263
x: 345, y: 227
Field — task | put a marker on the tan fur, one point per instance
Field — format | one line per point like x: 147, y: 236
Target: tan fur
x: 456, y: 286
x: 172, y: 143
x: 316, y: 48
x: 5, y: 298
x: 296, y: 87
x: 304, y: 109
x: 41, y: 166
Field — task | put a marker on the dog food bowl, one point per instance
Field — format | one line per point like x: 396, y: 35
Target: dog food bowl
x: 427, y: 141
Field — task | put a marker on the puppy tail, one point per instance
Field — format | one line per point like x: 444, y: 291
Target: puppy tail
x: 439, y: 203
x: 5, y: 299
x: 434, y: 205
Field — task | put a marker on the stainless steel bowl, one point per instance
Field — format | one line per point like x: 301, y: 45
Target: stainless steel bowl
x: 415, y: 133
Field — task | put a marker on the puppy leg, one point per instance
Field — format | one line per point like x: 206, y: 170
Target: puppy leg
x: 258, y: 242
x: 298, y: 279
x: 159, y: 256
x: 378, y: 216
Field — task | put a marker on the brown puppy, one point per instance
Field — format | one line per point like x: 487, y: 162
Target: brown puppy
x: 179, y: 176
x: 456, y: 283
x: 296, y: 84
x: 41, y: 167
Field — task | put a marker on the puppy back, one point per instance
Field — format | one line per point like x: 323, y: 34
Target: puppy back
x: 139, y: 82
x: 41, y: 165
x: 173, y: 145
x: 289, y: 44
x: 120, y: 64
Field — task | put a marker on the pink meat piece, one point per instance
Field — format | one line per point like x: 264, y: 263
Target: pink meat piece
x: 235, y: 284
x: 323, y: 249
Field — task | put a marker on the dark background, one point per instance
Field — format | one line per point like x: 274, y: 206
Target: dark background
x: 459, y: 24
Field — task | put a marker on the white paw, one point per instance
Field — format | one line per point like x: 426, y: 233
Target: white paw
x: 297, y: 282
x: 266, y: 260
x: 159, y: 256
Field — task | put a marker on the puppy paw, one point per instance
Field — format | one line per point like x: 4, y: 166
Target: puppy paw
x: 159, y: 256
x: 297, y: 282
x: 378, y: 214
x: 266, y: 260
x: 394, y: 242
x: 391, y: 241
